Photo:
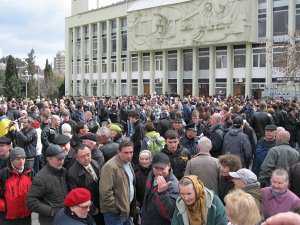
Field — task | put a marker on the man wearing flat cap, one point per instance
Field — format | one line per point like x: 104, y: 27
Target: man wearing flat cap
x: 90, y: 140
x: 190, y: 140
x: 64, y: 142
x: 15, y: 181
x: 263, y: 146
x: 5, y: 146
x: 49, y: 186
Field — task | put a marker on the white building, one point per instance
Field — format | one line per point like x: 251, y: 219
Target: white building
x: 198, y: 47
x: 59, y: 62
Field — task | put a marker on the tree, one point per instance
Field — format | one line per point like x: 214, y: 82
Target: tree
x: 32, y: 86
x: 51, y: 82
x: 12, y: 81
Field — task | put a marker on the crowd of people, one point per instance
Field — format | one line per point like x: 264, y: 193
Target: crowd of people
x: 150, y: 160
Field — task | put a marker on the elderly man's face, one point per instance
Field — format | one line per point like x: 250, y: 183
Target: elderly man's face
x: 279, y: 184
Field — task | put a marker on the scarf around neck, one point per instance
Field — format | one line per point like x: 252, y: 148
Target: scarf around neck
x: 197, y: 212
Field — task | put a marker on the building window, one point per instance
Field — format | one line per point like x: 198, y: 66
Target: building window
x: 124, y: 64
x: 86, y: 67
x: 78, y: 88
x: 158, y: 62
x: 113, y: 65
x: 124, y: 40
x: 172, y: 61
x: 134, y: 63
x: 94, y: 28
x: 85, y: 47
x: 298, y: 19
x: 187, y: 60
x: 280, y: 57
x: 94, y: 88
x: 259, y: 57
x: 78, y: 36
x: 113, y: 42
x: 113, y: 24
x: 123, y: 23
x: 280, y: 20
x: 221, y: 59
x: 146, y: 62
x: 95, y: 66
x: 103, y: 28
x: 95, y: 47
x: 86, y: 31
x: 104, y: 65
x: 262, y: 26
x: 78, y: 49
x: 104, y: 44
x: 78, y: 67
x: 239, y: 58
x: 204, y: 59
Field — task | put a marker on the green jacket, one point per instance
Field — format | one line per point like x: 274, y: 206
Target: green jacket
x: 215, y: 214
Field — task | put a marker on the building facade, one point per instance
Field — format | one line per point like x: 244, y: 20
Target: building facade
x: 59, y: 62
x: 185, y: 47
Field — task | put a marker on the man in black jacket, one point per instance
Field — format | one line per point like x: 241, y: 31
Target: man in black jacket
x: 85, y: 172
x: 26, y: 138
x: 49, y: 186
x: 216, y: 134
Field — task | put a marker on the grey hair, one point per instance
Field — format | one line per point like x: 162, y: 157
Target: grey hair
x: 146, y: 152
x: 281, y: 173
x: 104, y: 131
x: 204, y: 145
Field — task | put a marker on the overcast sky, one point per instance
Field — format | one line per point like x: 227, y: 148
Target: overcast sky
x: 37, y: 24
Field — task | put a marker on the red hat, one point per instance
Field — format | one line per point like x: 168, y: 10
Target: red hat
x: 77, y: 196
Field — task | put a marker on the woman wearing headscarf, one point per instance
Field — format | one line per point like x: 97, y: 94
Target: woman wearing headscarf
x: 197, y: 205
x: 77, y: 206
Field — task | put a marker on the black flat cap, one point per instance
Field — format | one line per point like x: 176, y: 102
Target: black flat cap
x: 5, y: 140
x: 89, y: 136
x: 271, y: 127
x: 61, y: 139
x: 191, y: 126
x: 55, y: 150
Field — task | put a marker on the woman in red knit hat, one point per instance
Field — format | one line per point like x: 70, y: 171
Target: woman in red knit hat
x: 77, y: 206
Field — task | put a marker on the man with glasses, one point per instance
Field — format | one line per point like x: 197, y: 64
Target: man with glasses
x: 49, y: 186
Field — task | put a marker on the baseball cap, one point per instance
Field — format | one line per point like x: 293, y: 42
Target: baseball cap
x: 247, y: 176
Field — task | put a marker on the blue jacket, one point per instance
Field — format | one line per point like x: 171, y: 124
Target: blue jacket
x: 61, y: 218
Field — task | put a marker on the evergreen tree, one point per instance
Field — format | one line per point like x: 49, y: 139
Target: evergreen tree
x: 12, y: 81
x: 32, y: 85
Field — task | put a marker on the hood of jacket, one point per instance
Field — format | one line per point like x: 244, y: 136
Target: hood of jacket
x: 235, y: 132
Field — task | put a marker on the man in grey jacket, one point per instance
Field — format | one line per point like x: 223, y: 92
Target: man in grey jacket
x: 204, y: 166
x: 237, y: 143
x: 49, y: 186
x: 281, y: 156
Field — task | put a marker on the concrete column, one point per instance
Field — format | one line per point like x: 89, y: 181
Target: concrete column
x: 249, y: 65
x: 108, y: 57
x: 74, y: 75
x: 195, y: 91
x: 68, y: 59
x: 99, y: 59
x: 229, y: 83
x: 74, y: 87
x: 90, y: 49
x: 152, y: 73
x: 291, y: 32
x: 165, y: 72
x: 212, y: 70
x: 269, y: 44
x: 81, y: 61
x: 118, y: 57
x: 140, y: 74
x: 179, y: 72
x: 129, y: 74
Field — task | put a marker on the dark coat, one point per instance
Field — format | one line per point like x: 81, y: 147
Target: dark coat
x: 216, y: 135
x: 47, y: 137
x: 178, y: 160
x: 47, y: 193
x: 137, y: 137
x: 141, y: 175
x: 259, y: 121
x: 158, y: 208
x: 27, y: 139
x: 294, y: 179
x: 64, y: 217
x: 109, y: 150
x: 79, y: 177
x: 190, y: 145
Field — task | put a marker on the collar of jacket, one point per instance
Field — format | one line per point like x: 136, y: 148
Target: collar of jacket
x: 57, y: 172
x: 209, y: 195
x: 82, y: 170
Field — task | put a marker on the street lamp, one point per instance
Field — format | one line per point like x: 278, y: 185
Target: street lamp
x: 26, y: 77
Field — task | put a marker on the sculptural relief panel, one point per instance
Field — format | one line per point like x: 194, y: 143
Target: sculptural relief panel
x: 194, y: 23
